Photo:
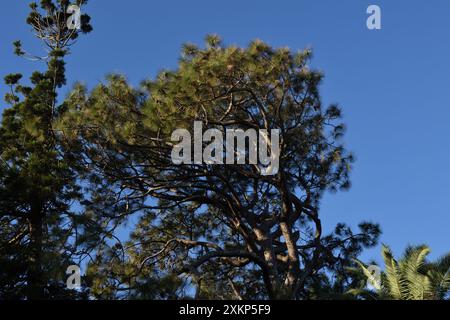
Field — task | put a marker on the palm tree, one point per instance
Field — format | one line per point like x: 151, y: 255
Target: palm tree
x: 410, y: 278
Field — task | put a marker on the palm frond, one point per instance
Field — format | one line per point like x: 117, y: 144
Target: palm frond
x: 419, y: 285
x: 394, y: 279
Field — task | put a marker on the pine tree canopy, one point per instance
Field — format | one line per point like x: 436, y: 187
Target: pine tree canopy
x: 217, y: 225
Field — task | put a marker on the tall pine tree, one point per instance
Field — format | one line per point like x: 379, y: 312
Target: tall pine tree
x: 225, y: 228
x: 37, y: 179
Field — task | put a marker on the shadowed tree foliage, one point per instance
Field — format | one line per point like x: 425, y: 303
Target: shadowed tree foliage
x: 37, y: 182
x: 224, y: 230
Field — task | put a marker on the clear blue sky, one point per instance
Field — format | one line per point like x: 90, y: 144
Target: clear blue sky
x: 393, y: 85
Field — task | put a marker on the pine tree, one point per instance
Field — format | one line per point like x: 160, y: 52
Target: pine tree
x: 252, y: 235
x: 37, y: 180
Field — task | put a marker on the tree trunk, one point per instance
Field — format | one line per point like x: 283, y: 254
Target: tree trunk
x: 35, y: 281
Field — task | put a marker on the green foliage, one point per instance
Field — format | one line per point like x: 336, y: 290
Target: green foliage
x: 412, y: 277
x: 38, y: 182
x: 221, y: 230
x: 73, y: 173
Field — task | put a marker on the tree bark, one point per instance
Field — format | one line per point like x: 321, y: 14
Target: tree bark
x: 35, y: 281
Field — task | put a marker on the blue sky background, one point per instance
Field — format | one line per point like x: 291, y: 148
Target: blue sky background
x: 393, y: 85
